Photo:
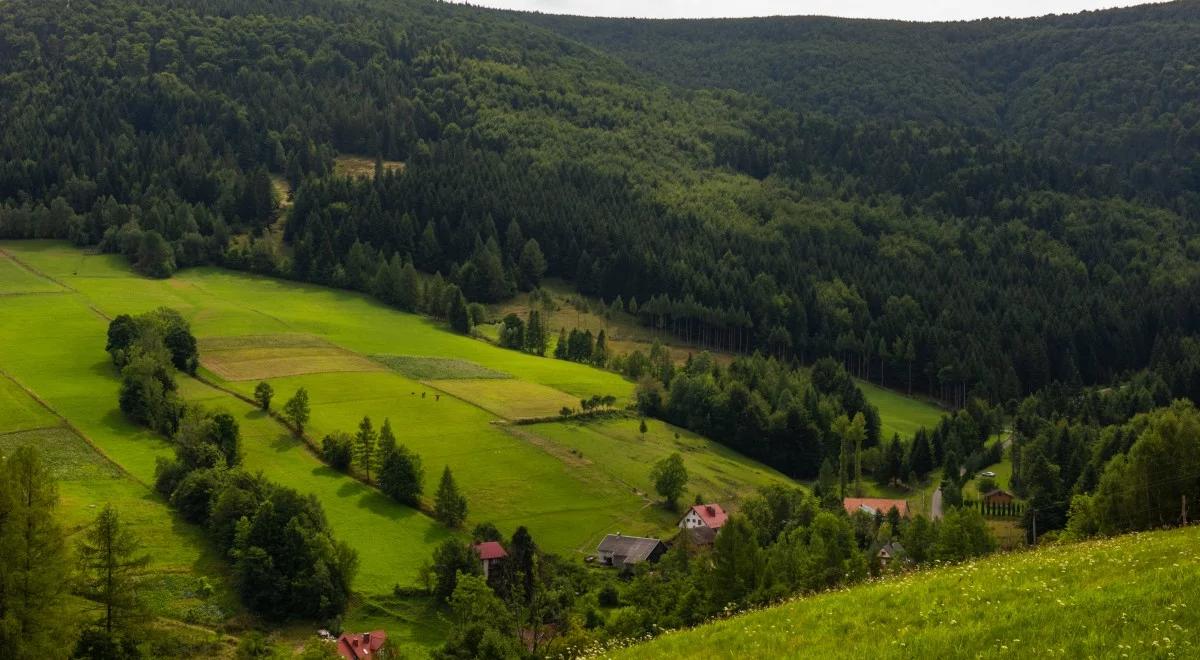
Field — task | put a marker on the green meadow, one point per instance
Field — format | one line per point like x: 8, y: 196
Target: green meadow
x: 1131, y: 596
x: 509, y: 477
x: 900, y: 414
x: 183, y: 566
x: 450, y: 398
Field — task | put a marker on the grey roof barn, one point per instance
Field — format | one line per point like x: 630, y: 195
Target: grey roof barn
x: 618, y: 550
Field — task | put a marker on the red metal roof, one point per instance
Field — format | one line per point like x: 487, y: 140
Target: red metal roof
x: 881, y: 505
x: 360, y: 646
x: 712, y: 515
x: 490, y: 550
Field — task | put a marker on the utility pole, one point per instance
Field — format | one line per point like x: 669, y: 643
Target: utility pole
x: 1034, y: 513
x: 1184, y: 508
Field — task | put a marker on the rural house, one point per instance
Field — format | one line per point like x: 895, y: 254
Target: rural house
x: 889, y: 552
x: 359, y: 646
x: 620, y: 551
x: 874, y: 505
x: 489, y: 552
x: 998, y: 496
x: 709, y: 516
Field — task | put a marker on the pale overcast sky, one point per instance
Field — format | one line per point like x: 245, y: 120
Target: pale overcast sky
x: 914, y: 10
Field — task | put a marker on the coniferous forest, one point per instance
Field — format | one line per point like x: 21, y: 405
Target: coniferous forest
x: 990, y: 248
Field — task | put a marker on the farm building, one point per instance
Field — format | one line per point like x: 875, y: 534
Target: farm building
x: 710, y: 516
x: 619, y: 551
x: 699, y: 537
x: 998, y: 496
x: 360, y: 646
x: 889, y: 552
x: 873, y: 505
x: 489, y: 553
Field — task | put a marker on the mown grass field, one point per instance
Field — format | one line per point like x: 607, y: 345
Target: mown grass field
x: 617, y: 447
x: 17, y: 280
x: 259, y: 357
x: 508, y: 479
x: 900, y: 414
x: 1131, y: 596
x: 509, y: 399
x: 569, y: 483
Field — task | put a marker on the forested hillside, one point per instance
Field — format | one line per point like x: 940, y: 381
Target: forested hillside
x: 1116, y: 89
x: 926, y: 255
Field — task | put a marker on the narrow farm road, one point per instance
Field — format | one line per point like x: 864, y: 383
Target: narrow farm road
x: 935, y: 509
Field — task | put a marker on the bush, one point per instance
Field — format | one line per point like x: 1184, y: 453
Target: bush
x: 609, y: 596
x: 338, y: 450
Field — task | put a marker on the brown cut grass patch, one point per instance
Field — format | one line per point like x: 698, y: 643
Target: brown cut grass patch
x: 258, y: 357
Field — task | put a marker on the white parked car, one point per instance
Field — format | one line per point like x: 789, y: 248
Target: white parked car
x: 988, y: 473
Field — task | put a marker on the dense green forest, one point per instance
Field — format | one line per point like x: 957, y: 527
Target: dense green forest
x: 930, y: 254
x: 1115, y: 89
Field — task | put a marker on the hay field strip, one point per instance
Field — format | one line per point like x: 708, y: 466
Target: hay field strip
x: 508, y: 399
x: 419, y: 367
x: 259, y: 357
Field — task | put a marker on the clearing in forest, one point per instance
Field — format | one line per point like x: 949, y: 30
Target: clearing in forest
x: 510, y: 399
x: 258, y: 357
x: 361, y: 166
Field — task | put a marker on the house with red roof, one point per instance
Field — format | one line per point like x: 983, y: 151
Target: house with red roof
x: 708, y: 516
x: 489, y: 553
x: 873, y: 505
x: 360, y: 646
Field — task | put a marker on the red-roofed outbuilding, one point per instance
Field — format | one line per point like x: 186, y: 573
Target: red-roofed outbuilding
x: 710, y: 516
x: 873, y: 505
x: 361, y: 646
x: 489, y: 552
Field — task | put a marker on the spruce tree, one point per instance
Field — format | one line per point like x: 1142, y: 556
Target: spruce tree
x: 110, y: 563
x: 33, y: 558
x: 449, y: 505
x: 364, y: 446
x: 457, y: 313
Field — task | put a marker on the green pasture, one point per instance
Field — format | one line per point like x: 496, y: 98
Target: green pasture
x: 435, y: 368
x: 900, y: 414
x: 17, y: 280
x: 1130, y: 596
x: 181, y: 558
x: 509, y: 399
x: 392, y: 540
x: 507, y: 481
x: 19, y: 412
x: 618, y: 448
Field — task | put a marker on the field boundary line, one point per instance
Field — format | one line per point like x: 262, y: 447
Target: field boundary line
x: 74, y: 429
x: 305, y: 440
x: 35, y: 271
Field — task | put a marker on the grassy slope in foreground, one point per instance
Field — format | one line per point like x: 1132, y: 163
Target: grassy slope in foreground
x: 1131, y: 596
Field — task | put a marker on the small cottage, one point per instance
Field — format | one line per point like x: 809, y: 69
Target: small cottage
x: 890, y: 552
x: 489, y: 553
x: 998, y: 496
x: 620, y: 551
x: 360, y: 646
x: 710, y: 516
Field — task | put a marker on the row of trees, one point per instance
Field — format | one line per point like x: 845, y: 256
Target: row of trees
x: 284, y: 556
